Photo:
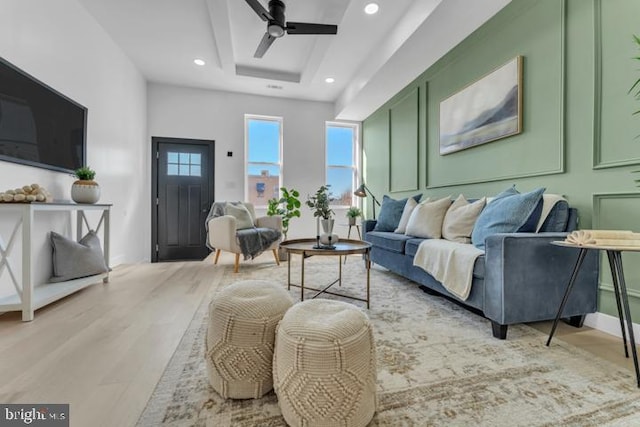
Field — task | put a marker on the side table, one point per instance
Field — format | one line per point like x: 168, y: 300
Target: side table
x: 614, y: 254
x: 357, y: 226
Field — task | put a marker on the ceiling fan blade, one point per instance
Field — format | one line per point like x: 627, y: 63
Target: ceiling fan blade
x: 260, y: 10
x: 307, y: 28
x: 265, y: 44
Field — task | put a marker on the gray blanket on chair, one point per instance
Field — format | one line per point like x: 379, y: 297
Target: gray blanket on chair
x: 252, y: 241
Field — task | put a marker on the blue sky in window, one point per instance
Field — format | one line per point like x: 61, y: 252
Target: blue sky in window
x: 263, y: 147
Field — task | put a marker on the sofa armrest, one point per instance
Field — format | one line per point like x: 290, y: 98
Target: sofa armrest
x: 526, y: 277
x: 222, y: 233
x: 274, y: 222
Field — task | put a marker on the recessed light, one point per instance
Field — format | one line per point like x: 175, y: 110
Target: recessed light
x: 329, y: 80
x: 199, y: 62
x: 371, y: 8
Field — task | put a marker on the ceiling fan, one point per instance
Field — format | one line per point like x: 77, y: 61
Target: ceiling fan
x: 276, y: 26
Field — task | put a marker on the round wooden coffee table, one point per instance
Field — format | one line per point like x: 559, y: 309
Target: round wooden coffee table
x: 307, y: 248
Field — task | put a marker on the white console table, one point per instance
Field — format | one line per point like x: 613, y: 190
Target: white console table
x: 29, y: 296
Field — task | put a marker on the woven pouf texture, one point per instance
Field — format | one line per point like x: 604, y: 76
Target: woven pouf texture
x: 240, y: 337
x: 324, y: 367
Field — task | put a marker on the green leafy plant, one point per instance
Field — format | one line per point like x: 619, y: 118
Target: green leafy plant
x: 354, y: 212
x: 320, y: 202
x: 85, y: 173
x: 287, y: 206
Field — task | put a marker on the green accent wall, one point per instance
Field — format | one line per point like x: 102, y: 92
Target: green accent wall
x: 579, y: 135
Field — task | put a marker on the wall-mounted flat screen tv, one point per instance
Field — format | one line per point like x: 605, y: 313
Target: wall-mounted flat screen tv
x: 38, y: 125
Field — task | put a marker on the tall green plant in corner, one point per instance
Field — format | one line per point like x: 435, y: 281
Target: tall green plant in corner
x: 288, y: 207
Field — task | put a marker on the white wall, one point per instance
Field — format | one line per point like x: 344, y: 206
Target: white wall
x: 59, y: 43
x: 215, y: 115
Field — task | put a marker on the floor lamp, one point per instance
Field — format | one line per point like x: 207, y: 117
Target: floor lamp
x: 362, y: 192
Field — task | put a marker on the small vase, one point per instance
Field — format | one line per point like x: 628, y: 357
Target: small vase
x: 83, y: 191
x: 352, y: 220
x: 327, y: 225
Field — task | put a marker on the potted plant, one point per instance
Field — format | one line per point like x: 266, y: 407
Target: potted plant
x: 319, y: 203
x: 85, y: 189
x: 288, y: 207
x: 352, y: 213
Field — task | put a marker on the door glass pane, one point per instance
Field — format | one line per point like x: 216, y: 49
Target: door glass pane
x: 183, y: 170
x: 195, y: 171
x: 184, y: 158
x: 172, y: 169
x: 172, y: 157
x: 195, y: 158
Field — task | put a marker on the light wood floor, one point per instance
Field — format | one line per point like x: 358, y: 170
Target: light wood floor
x: 103, y: 349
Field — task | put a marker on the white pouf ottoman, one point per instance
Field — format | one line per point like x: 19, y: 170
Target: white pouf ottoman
x: 240, y: 338
x: 324, y: 366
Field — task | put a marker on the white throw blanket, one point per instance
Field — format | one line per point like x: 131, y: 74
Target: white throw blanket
x: 451, y: 263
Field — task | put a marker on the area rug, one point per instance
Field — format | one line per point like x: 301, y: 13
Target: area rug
x: 438, y: 365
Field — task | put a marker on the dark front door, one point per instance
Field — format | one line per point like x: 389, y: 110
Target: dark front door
x: 183, y: 193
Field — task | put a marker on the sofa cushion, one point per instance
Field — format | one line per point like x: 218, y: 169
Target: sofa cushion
x: 391, y: 212
x: 388, y: 240
x: 460, y: 218
x: 557, y: 219
x: 426, y: 219
x: 406, y: 214
x: 507, y: 213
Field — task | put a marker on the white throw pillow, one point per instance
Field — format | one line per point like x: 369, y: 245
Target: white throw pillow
x: 406, y: 214
x: 460, y: 218
x: 426, y: 219
x: 241, y: 214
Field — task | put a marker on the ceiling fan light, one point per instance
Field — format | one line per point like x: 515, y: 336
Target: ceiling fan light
x: 371, y: 8
x: 275, y: 30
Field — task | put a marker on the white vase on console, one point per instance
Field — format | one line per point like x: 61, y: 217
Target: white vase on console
x: 327, y: 237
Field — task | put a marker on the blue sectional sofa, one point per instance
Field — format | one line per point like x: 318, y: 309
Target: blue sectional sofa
x: 520, y: 278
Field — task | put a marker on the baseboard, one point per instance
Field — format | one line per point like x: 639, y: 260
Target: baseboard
x: 608, y: 324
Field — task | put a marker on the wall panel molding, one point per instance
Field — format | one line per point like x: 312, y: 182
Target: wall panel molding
x: 403, y: 141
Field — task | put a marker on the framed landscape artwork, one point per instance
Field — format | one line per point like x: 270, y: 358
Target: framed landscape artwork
x: 484, y: 111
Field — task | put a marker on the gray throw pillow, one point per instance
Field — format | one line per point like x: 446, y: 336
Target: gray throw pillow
x: 72, y: 260
x: 241, y: 214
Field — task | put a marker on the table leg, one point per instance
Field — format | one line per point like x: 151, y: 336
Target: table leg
x: 340, y: 269
x: 617, y: 259
x: 565, y: 298
x: 288, y: 270
x: 368, y: 262
x: 616, y: 289
x: 302, y: 279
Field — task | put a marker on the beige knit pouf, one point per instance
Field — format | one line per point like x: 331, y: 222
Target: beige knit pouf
x: 239, y: 345
x: 324, y: 366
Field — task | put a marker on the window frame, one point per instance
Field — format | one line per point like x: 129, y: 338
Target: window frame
x: 247, y: 119
x: 356, y: 161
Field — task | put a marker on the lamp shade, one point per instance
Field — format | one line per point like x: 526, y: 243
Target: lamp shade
x: 360, y: 191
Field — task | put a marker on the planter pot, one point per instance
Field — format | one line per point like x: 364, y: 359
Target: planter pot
x: 352, y: 220
x: 85, y: 191
x: 327, y: 225
x: 282, y: 255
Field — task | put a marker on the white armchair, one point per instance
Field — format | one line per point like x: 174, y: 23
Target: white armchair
x: 222, y: 234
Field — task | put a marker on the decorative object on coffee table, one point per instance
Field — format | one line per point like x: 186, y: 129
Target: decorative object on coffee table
x: 319, y: 203
x: 240, y: 338
x: 85, y: 189
x: 325, y: 365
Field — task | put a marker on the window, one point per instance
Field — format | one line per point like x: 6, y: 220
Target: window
x: 184, y: 164
x: 263, y: 148
x: 342, y: 161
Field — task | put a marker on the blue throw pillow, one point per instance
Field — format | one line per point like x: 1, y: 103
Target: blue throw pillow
x: 391, y: 212
x: 507, y: 213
